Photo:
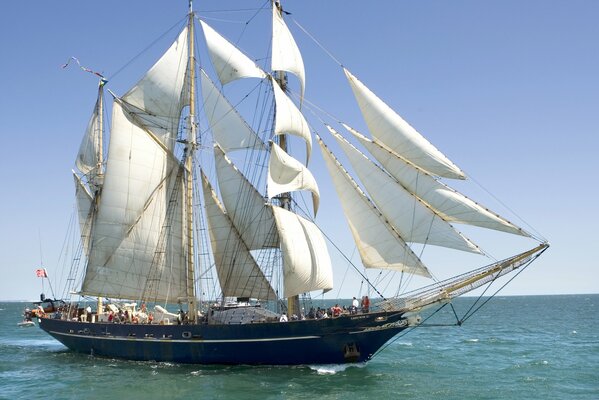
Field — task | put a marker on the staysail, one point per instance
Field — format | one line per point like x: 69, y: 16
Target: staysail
x: 389, y: 128
x: 380, y: 246
x: 229, y: 129
x: 157, y: 99
x: 238, y: 273
x: 414, y: 220
x: 447, y: 202
x: 246, y: 207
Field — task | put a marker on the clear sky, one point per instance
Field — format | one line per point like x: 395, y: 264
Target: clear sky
x: 509, y: 90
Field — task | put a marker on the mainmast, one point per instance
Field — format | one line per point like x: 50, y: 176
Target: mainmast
x: 189, y: 150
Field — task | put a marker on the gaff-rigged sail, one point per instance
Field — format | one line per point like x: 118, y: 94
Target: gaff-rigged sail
x: 84, y: 208
x: 88, y: 157
x: 140, y: 179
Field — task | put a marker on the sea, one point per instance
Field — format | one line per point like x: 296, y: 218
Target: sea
x: 529, y: 347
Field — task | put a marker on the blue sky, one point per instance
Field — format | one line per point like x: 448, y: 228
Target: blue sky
x: 509, y: 90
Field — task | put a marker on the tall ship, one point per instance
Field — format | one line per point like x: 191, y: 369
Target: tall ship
x: 200, y: 239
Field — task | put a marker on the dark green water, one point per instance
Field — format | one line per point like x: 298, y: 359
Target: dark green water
x: 536, y: 347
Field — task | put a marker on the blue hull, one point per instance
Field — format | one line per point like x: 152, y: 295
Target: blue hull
x: 326, y: 341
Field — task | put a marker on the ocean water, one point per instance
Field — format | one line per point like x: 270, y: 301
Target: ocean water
x: 530, y: 347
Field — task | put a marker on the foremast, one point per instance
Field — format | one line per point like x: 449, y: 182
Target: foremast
x: 189, y: 153
x: 293, y: 303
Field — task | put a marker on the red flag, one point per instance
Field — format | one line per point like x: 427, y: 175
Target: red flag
x: 41, y: 273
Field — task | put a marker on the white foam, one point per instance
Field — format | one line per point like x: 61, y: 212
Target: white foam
x: 331, y: 369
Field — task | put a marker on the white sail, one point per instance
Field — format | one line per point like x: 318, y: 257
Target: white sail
x: 84, y: 207
x: 289, y: 119
x: 447, y: 202
x: 414, y: 220
x: 285, y: 53
x: 245, y: 206
x: 87, y: 157
x: 157, y: 98
x: 306, y: 260
x: 379, y: 245
x: 390, y: 129
x: 228, y: 128
x: 228, y: 61
x: 238, y: 273
x: 286, y: 174
x: 131, y: 216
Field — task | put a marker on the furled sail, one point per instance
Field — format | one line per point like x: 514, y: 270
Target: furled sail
x: 131, y: 216
x: 390, y: 129
x: 245, y: 206
x: 447, y: 202
x: 285, y: 53
x: 84, y: 208
x: 238, y: 273
x: 306, y: 260
x: 157, y: 98
x: 228, y: 128
x: 379, y: 245
x: 413, y: 219
x: 228, y: 61
x: 289, y: 119
x: 286, y: 174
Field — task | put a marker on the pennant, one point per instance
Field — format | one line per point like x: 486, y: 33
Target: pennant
x: 103, y: 80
